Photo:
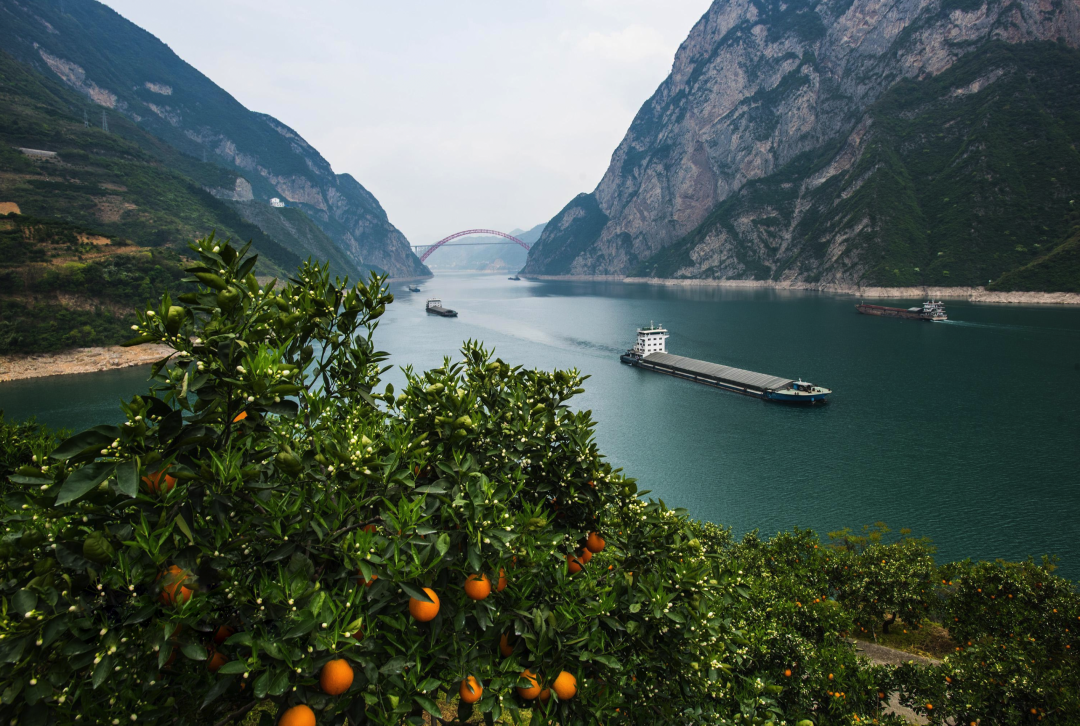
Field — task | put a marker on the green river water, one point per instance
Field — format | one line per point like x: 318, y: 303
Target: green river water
x: 966, y: 431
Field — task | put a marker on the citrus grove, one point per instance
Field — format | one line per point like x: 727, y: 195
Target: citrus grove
x: 271, y: 533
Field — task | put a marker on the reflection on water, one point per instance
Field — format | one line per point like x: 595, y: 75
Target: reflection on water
x: 964, y: 431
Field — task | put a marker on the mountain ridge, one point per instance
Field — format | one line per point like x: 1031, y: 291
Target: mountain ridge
x: 122, y: 67
x: 755, y: 85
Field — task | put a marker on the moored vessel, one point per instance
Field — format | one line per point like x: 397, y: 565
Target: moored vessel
x: 434, y: 306
x: 650, y: 353
x: 930, y: 311
x: 414, y: 288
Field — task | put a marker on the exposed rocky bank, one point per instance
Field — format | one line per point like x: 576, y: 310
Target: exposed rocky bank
x: 79, y: 360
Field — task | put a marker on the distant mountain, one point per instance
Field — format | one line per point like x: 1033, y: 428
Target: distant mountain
x: 505, y: 256
x: 842, y: 141
x: 123, y: 68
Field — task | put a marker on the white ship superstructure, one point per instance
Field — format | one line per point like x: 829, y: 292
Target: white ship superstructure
x: 652, y: 339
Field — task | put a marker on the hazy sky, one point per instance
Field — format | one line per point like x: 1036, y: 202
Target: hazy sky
x: 455, y: 115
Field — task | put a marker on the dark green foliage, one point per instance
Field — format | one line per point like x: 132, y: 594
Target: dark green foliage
x: 25, y: 441
x: 1059, y: 270
x: 961, y: 178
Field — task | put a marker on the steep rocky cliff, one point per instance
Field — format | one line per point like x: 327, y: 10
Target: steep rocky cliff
x: 125, y: 69
x: 757, y: 86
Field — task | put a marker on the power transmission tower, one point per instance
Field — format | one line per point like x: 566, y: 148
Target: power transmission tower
x: 85, y: 120
x: 104, y: 122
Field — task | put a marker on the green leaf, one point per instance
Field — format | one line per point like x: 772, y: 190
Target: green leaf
x: 127, y: 477
x: 429, y: 706
x: 139, y: 340
x: 233, y: 666
x: 414, y: 592
x: 24, y: 601
x: 82, y: 443
x: 429, y: 684
x: 442, y: 545
x: 609, y: 661
x: 242, y: 638
x: 141, y: 615
x: 280, y: 684
x: 261, y: 686
x: 183, y: 525
x: 82, y: 480
x: 193, y: 651
x: 394, y: 666
x: 103, y: 670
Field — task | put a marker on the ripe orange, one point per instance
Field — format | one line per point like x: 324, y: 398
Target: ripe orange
x: 297, y: 716
x: 366, y: 583
x: 574, y: 566
x: 595, y: 543
x: 370, y: 528
x: 502, y: 581
x: 565, y: 686
x: 787, y: 672
x: 532, y: 691
x: 545, y: 695
x: 240, y: 417
x: 471, y: 690
x: 585, y: 556
x: 477, y: 587
x: 174, y: 580
x: 424, y: 611
x: 336, y: 677
x: 222, y: 634
x: 592, y: 484
x: 217, y: 659
x: 153, y: 481
x: 504, y: 645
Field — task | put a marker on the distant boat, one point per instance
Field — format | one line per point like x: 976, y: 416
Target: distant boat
x: 434, y: 306
x: 413, y: 288
x: 515, y: 277
x: 930, y: 311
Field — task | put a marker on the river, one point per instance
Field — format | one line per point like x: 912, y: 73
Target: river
x: 966, y: 431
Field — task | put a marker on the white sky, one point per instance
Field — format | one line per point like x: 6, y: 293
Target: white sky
x: 455, y: 115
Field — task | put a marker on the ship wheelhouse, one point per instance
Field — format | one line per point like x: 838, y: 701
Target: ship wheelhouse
x: 652, y: 339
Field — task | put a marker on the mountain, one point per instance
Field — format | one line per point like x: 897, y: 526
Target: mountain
x: 123, y: 68
x: 502, y: 257
x: 125, y: 184
x: 774, y: 149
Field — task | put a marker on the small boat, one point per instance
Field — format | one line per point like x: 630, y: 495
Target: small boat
x: 515, y: 277
x: 434, y: 306
x: 930, y: 311
x: 413, y: 288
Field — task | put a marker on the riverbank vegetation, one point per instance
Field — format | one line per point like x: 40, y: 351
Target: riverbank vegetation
x: 273, y: 528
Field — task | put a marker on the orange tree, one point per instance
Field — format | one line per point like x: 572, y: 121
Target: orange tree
x: 265, y: 511
x: 1017, y: 628
x: 880, y: 579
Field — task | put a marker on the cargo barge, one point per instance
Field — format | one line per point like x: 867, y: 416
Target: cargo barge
x: 434, y: 306
x: 930, y: 311
x: 650, y: 353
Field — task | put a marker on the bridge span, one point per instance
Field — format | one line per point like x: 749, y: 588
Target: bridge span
x: 428, y: 249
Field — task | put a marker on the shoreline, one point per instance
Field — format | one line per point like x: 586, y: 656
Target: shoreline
x: 79, y: 360
x: 970, y: 294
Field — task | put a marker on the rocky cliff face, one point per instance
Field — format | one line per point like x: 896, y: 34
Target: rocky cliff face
x: 122, y: 67
x: 757, y: 84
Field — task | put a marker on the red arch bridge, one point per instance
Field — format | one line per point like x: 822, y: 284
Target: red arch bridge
x: 428, y: 249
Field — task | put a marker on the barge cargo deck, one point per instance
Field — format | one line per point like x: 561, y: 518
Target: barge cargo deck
x: 650, y: 353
